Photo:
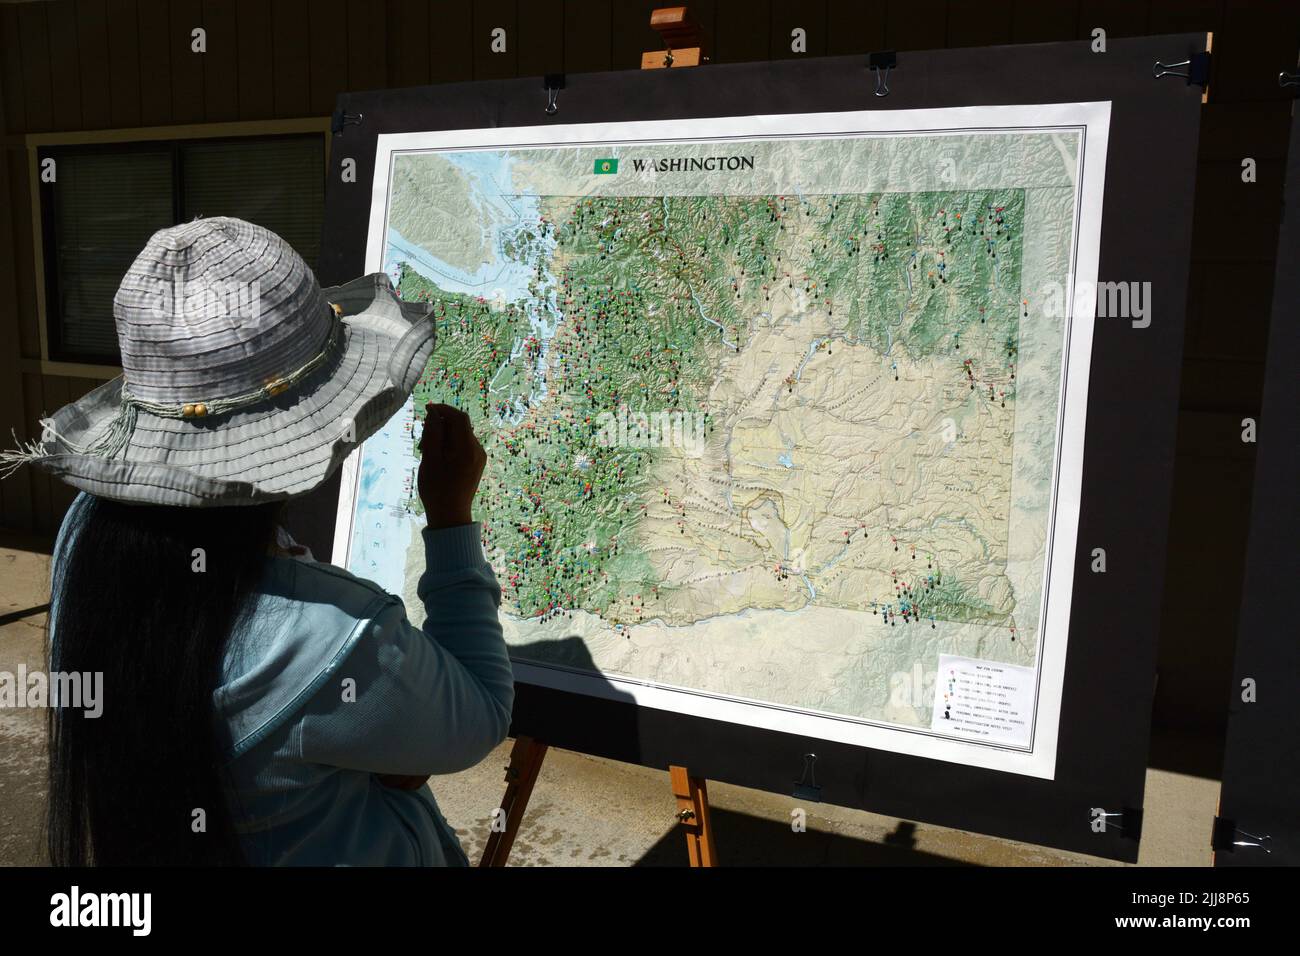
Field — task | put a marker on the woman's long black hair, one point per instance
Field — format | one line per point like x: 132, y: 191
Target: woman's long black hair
x: 143, y: 782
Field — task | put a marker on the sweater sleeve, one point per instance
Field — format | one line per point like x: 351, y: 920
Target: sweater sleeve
x: 421, y: 701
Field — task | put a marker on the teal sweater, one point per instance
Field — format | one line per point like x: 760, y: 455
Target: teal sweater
x: 329, y: 685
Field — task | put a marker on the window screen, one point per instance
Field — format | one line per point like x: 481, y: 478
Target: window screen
x: 106, y: 206
x: 278, y: 184
x: 108, y: 200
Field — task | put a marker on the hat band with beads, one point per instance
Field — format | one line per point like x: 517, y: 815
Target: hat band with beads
x: 119, y: 431
x: 216, y: 406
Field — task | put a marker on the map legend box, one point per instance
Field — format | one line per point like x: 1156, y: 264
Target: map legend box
x: 983, y: 700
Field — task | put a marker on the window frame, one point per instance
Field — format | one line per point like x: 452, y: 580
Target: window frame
x: 53, y: 360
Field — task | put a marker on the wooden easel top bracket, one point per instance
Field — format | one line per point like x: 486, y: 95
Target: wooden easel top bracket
x: 683, y: 38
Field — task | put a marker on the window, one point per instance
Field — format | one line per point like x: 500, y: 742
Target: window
x: 107, y: 200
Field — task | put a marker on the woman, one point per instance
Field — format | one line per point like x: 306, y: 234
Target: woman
x: 259, y: 707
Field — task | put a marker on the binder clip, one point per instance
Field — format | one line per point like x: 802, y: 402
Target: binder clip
x: 552, y: 83
x: 880, y: 64
x: 805, y: 787
x: 1197, y: 69
x: 1227, y: 837
x: 1285, y: 79
x: 1128, y: 821
x: 341, y: 118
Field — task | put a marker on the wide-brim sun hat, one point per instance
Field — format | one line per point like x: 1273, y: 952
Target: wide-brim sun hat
x: 243, y: 381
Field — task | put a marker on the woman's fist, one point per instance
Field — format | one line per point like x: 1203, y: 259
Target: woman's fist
x: 451, y: 464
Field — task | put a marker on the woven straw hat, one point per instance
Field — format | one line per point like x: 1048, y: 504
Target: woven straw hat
x: 242, y: 380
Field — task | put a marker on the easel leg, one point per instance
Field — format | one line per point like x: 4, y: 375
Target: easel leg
x: 525, y: 764
x: 693, y: 815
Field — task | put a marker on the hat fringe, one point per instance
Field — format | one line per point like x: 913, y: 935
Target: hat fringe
x: 12, y: 460
x: 111, y: 441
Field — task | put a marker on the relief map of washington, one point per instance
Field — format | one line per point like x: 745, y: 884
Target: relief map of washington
x: 769, y: 419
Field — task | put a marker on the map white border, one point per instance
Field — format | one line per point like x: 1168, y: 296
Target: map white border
x: 1093, y: 119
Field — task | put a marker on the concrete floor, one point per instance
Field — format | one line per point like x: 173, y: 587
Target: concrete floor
x: 586, y: 811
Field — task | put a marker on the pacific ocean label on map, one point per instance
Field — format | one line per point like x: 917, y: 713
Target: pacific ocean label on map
x: 773, y: 420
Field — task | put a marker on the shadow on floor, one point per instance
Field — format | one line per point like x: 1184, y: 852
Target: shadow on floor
x: 12, y: 616
x: 743, y: 840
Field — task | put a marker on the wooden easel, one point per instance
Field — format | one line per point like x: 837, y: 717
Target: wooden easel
x: 684, y: 45
x: 526, y: 758
x: 683, y: 37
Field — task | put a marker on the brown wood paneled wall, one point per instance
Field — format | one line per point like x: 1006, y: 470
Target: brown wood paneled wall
x: 109, y: 64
